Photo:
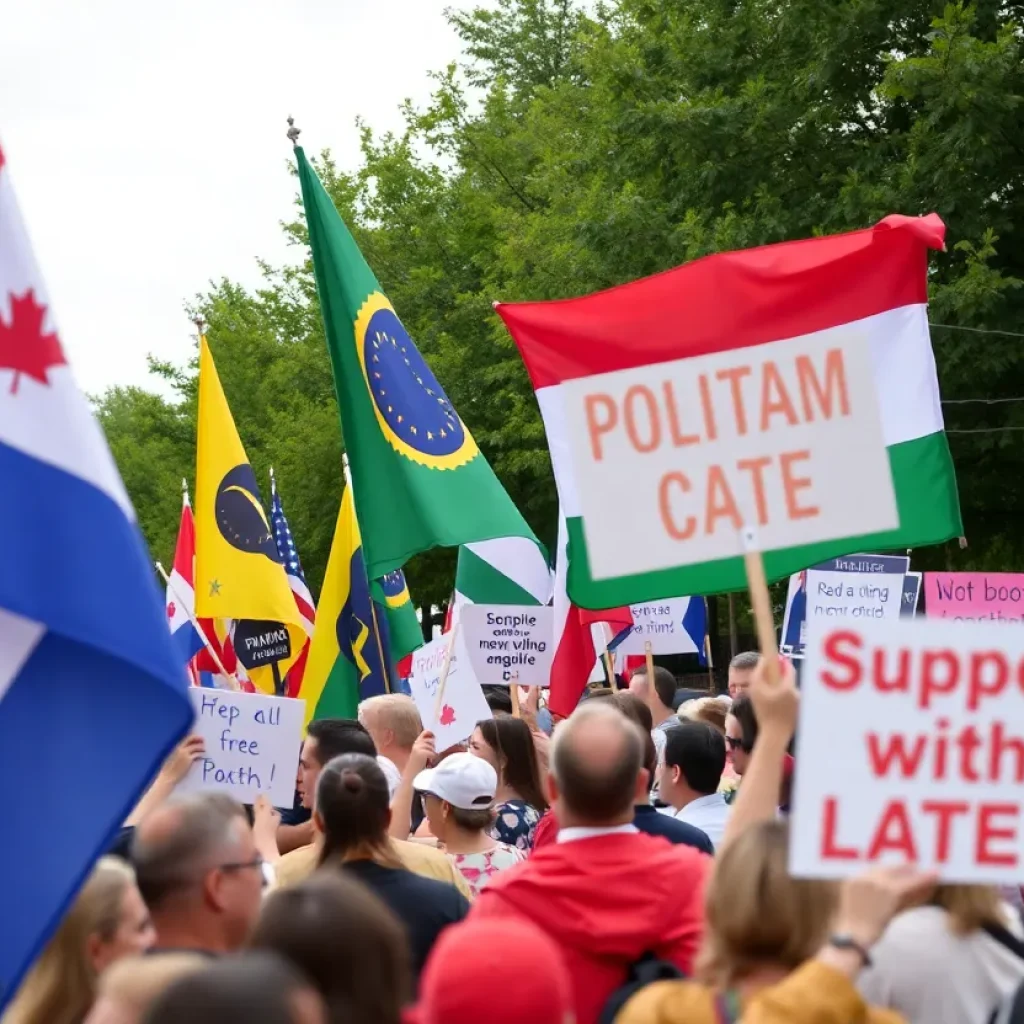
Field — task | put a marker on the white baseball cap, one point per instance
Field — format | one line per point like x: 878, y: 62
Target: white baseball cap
x: 463, y: 780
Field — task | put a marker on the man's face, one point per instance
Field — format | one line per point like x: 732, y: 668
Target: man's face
x: 309, y: 772
x: 667, y: 781
x: 734, y: 739
x: 240, y: 885
x: 638, y: 685
x: 739, y: 681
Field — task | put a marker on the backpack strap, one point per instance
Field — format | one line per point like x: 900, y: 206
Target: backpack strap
x: 727, y: 1007
x: 1005, y: 938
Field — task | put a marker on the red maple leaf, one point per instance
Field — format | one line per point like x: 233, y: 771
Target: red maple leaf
x: 447, y: 715
x: 171, y: 609
x: 1, y: 158
x: 23, y: 346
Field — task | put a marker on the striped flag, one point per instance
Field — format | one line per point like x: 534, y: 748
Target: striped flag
x: 296, y: 580
x: 181, y: 596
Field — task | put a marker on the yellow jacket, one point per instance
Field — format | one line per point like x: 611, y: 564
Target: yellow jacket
x: 427, y: 861
x: 812, y: 994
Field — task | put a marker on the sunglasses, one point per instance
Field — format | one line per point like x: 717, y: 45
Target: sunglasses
x: 735, y: 743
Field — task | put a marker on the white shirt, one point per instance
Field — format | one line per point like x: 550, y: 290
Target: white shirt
x: 570, y: 835
x: 709, y: 814
x: 923, y: 970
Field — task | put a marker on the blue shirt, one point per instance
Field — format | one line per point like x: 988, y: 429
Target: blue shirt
x: 648, y: 819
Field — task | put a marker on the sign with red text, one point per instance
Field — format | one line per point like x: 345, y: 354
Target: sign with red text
x: 784, y: 437
x: 252, y: 744
x: 910, y: 748
x: 463, y: 703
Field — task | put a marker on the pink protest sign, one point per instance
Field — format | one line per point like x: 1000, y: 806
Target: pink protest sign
x: 975, y: 596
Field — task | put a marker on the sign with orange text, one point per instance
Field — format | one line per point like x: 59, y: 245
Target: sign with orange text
x: 784, y: 437
x: 910, y: 748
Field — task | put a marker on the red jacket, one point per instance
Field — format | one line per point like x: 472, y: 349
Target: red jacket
x: 606, y: 901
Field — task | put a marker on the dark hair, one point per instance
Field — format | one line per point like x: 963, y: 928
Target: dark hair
x: 473, y: 821
x: 637, y: 711
x: 352, y: 800
x: 499, y: 699
x: 743, y: 711
x: 179, y: 856
x: 346, y: 941
x: 337, y: 736
x: 511, y: 740
x: 593, y: 789
x: 258, y: 988
x: 698, y: 751
x: 664, y: 683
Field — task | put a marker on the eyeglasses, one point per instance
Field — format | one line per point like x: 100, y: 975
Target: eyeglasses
x: 240, y: 865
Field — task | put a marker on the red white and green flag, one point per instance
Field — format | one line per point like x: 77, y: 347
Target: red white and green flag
x: 790, y: 388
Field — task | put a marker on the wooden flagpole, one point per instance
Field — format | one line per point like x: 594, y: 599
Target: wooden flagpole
x: 761, y: 604
x: 444, y: 673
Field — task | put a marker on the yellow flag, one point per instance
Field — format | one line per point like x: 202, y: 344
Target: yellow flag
x: 239, y: 574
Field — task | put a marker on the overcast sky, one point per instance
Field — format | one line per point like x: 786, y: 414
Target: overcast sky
x: 147, y: 144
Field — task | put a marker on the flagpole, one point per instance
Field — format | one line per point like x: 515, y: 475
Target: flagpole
x: 609, y: 665
x: 707, y: 649
x: 199, y: 629
x: 444, y: 674
x: 761, y: 604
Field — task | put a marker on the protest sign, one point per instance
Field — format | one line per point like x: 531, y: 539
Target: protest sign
x: 504, y: 642
x: 673, y: 626
x: 252, y: 745
x: 785, y: 438
x: 910, y: 748
x: 974, y: 596
x: 856, y: 586
x: 911, y: 593
x: 463, y: 704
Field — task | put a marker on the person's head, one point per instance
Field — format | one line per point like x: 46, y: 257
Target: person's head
x: 346, y: 941
x: 741, y: 732
x: 458, y: 795
x: 662, y: 694
x: 741, y: 671
x: 352, y: 810
x: 757, y: 915
x: 326, y: 739
x: 507, y: 745
x: 709, y: 710
x: 393, y: 723
x: 199, y: 872
x: 970, y: 907
x: 596, y: 760
x: 637, y: 711
x: 694, y: 762
x: 131, y: 985
x: 258, y: 988
x: 499, y: 699
x: 107, y: 921
x: 523, y: 969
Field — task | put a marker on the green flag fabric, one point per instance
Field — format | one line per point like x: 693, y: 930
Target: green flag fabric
x: 392, y: 594
x: 419, y: 479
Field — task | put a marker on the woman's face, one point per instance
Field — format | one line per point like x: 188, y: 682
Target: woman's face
x: 134, y: 934
x: 481, y: 748
x: 734, y: 739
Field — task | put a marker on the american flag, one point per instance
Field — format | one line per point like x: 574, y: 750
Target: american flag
x: 296, y: 580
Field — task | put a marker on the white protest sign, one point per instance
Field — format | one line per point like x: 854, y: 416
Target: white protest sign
x: 784, y: 437
x: 839, y: 595
x: 506, y: 641
x: 910, y: 748
x: 463, y: 704
x: 252, y: 745
x: 663, y: 624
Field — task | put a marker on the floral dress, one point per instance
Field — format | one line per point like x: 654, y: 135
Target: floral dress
x: 477, y: 868
x: 515, y: 824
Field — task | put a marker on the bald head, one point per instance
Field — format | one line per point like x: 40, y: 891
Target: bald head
x: 596, y: 757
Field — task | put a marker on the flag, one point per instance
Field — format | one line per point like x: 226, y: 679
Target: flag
x: 876, y: 279
x: 219, y: 633
x: 181, y: 598
x: 239, y: 573
x: 674, y: 625
x: 391, y: 593
x: 420, y: 480
x: 575, y: 651
x: 349, y: 656
x: 508, y: 570
x: 296, y: 580
x: 87, y: 665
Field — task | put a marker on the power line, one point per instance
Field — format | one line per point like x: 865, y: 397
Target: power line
x: 981, y: 401
x: 976, y: 330
x: 987, y: 430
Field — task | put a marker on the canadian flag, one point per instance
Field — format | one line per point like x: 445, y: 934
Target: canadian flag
x: 575, y: 652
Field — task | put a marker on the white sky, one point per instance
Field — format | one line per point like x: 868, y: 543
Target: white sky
x: 147, y: 144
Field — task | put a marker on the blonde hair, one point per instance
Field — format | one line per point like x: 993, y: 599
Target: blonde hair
x: 60, y: 987
x: 397, y: 712
x: 970, y: 906
x: 136, y: 981
x: 756, y: 914
x: 709, y: 710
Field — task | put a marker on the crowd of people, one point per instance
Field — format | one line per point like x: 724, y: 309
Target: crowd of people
x: 627, y: 864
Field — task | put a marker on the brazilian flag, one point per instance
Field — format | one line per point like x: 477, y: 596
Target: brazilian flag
x: 350, y: 653
x: 420, y: 480
x: 391, y: 592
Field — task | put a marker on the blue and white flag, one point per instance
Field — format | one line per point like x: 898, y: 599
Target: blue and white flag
x: 92, y: 691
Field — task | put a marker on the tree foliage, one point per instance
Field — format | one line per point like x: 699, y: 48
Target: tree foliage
x: 575, y: 149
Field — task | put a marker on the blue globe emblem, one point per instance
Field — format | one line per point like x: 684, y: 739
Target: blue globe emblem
x: 407, y: 395
x: 393, y: 585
